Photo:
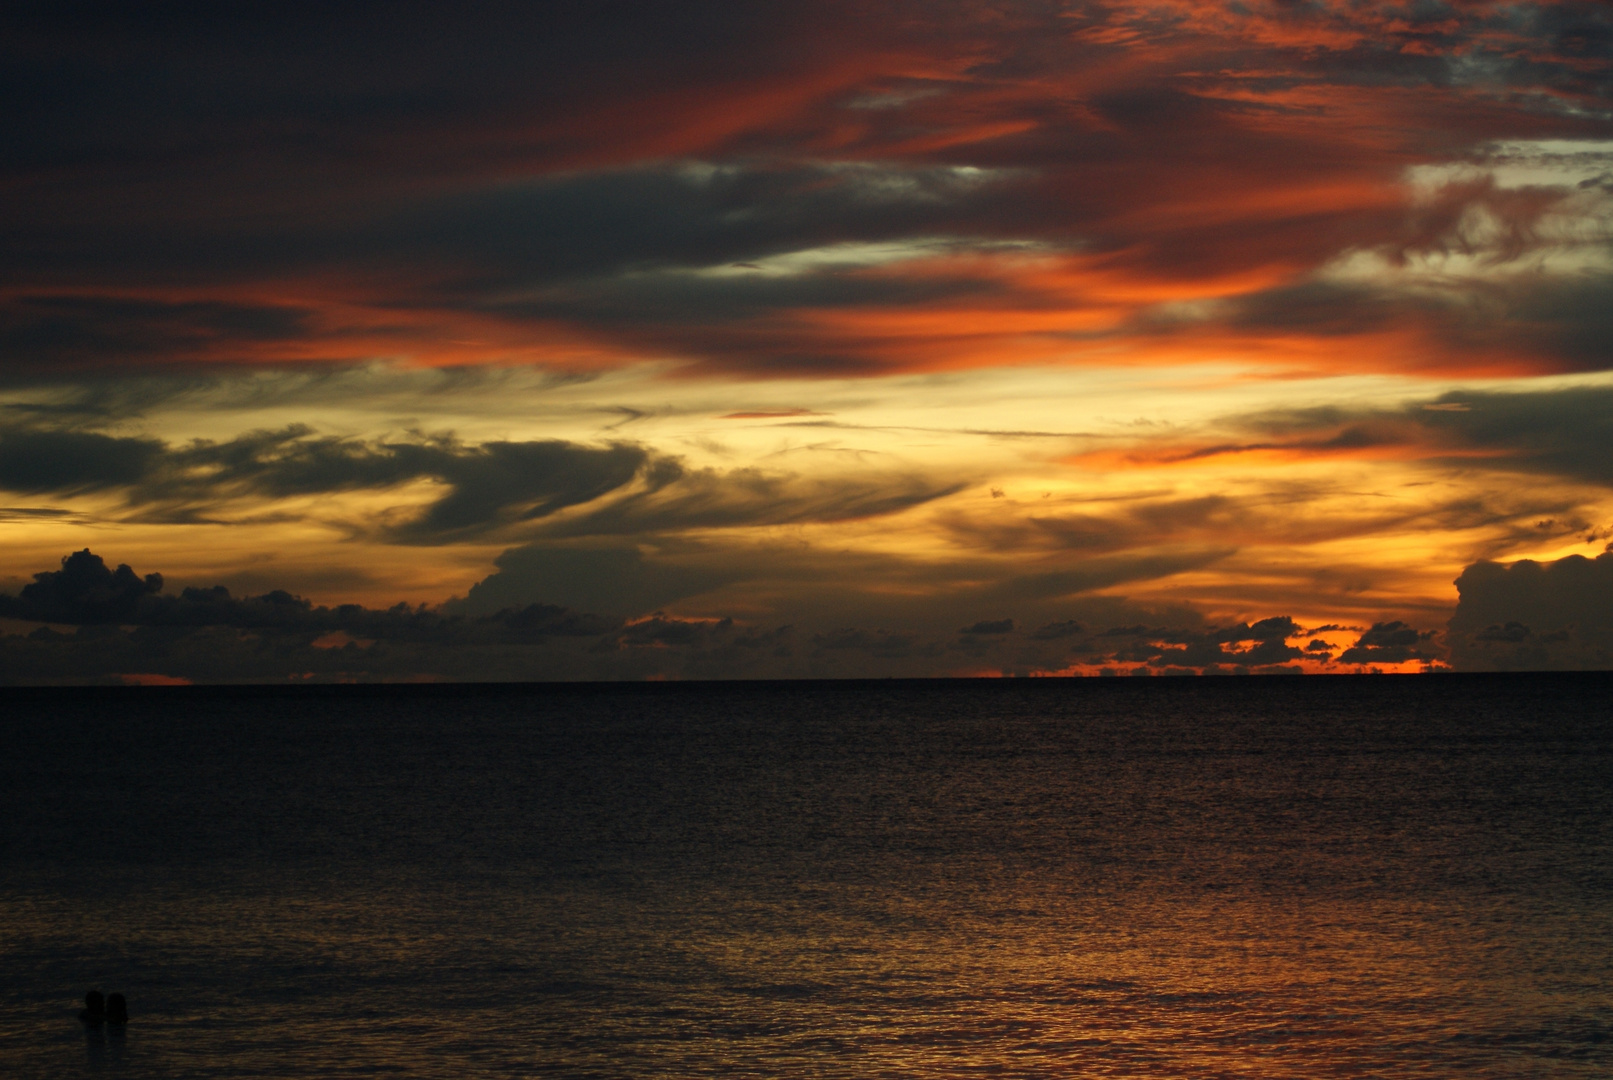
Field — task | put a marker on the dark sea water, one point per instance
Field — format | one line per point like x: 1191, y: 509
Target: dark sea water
x: 1351, y: 877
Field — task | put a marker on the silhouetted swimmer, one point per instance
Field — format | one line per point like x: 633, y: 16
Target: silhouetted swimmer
x: 117, y: 1010
x: 94, y: 1011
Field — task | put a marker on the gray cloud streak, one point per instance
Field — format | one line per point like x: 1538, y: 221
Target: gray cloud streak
x: 491, y: 486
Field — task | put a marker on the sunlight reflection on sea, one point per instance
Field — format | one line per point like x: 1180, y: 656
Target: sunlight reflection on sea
x: 1219, y: 878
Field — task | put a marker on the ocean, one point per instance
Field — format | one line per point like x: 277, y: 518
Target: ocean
x: 1243, y: 877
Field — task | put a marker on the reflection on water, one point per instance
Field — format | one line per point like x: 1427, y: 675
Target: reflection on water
x: 1239, y: 878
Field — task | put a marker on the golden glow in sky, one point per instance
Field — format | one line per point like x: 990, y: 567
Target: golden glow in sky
x: 943, y: 339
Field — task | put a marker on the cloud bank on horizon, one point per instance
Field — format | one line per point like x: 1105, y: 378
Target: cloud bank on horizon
x: 854, y: 339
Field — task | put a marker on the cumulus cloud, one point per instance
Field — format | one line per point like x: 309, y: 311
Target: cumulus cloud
x: 1533, y: 616
x: 82, y: 591
x: 85, y: 592
x: 127, y: 626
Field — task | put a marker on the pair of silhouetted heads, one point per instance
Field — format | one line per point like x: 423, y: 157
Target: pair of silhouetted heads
x: 110, y: 1010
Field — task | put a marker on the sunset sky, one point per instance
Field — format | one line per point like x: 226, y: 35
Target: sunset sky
x: 810, y: 340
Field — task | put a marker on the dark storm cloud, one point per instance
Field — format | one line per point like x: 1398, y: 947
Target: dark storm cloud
x: 531, y: 163
x: 180, y: 146
x: 586, y: 228
x: 1534, y: 616
x: 70, y: 462
x: 655, y: 257
x: 105, y: 83
x: 85, y: 332
x: 1568, y: 320
x: 111, y: 85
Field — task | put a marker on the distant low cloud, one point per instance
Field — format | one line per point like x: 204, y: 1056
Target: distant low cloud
x: 559, y: 614
x: 880, y: 643
x: 1390, y: 643
x: 615, y: 579
x: 1278, y: 629
x: 1262, y: 646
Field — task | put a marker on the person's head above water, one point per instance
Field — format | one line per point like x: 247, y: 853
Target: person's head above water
x: 117, y: 1010
x: 94, y: 1006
